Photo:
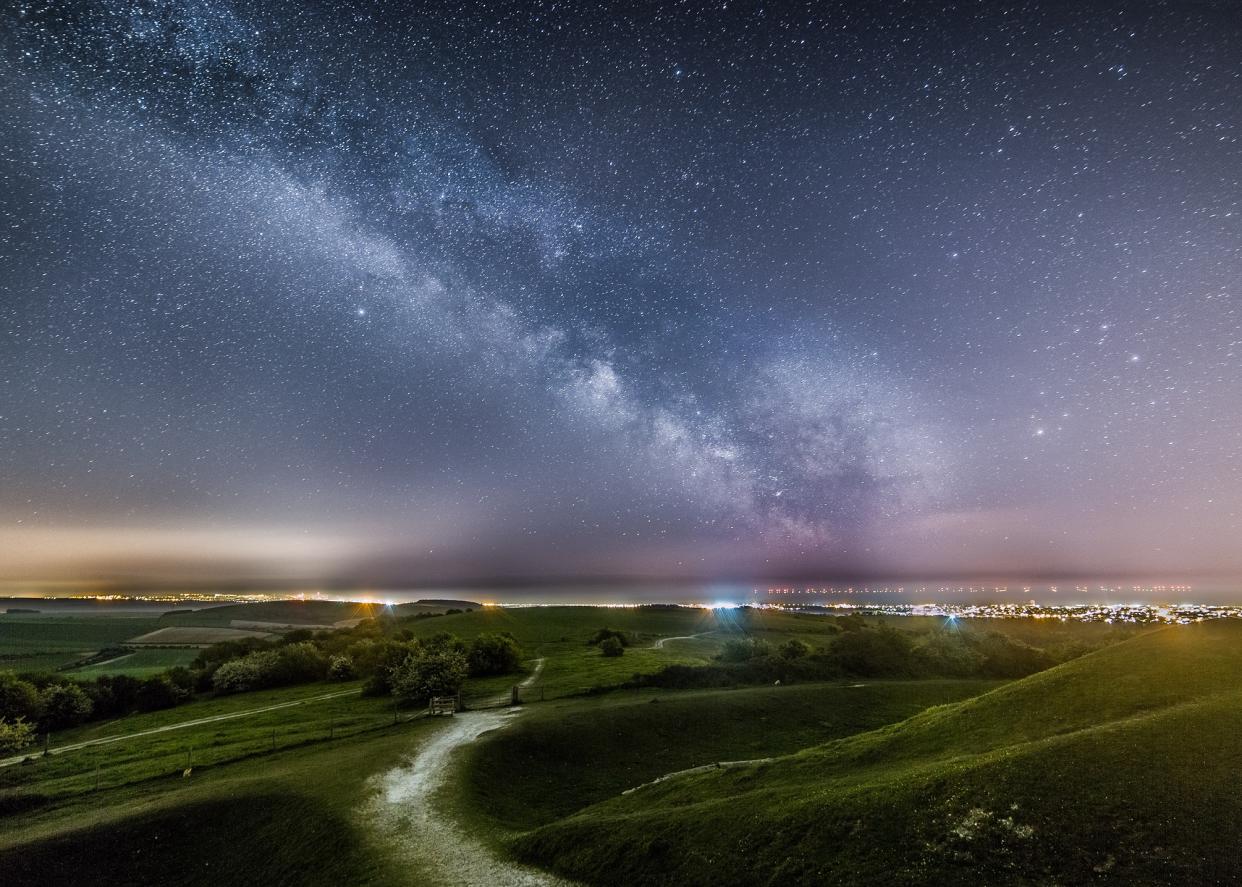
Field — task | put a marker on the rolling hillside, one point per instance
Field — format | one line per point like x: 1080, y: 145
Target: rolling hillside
x: 1124, y: 766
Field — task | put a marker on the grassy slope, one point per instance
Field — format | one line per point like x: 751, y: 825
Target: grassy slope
x: 139, y: 664
x: 157, y: 755
x: 1124, y: 766
x: 290, y: 612
x: 281, y: 819
x: 560, y: 758
x: 44, y: 643
x: 560, y: 634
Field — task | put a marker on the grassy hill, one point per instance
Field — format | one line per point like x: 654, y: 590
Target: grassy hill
x: 565, y: 756
x: 288, y: 612
x: 285, y: 818
x: 1124, y: 766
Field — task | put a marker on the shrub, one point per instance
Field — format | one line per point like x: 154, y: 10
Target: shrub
x: 340, y: 668
x: 611, y: 647
x: 424, y: 675
x: 442, y: 642
x: 605, y: 633
x: 15, y: 734
x: 291, y: 664
x: 64, y: 705
x: 744, y: 649
x: 492, y: 654
x: 244, y: 674
x: 874, y: 652
x: 19, y: 699
x: 793, y: 649
x: 156, y: 693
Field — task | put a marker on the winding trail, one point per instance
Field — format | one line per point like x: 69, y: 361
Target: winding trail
x: 407, y: 806
x: 659, y: 644
x: 503, y: 698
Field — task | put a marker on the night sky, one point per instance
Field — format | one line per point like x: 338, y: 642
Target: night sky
x: 401, y: 293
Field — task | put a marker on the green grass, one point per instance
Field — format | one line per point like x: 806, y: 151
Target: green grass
x: 138, y: 664
x: 44, y: 643
x: 1124, y: 766
x: 160, y: 754
x: 563, y: 757
x: 285, y: 818
x: 288, y: 612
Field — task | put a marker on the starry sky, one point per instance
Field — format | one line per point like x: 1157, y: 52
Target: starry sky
x: 404, y: 293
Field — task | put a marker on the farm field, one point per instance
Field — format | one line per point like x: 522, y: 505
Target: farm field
x: 293, y: 613
x: 137, y: 664
x: 41, y: 643
x: 193, y: 636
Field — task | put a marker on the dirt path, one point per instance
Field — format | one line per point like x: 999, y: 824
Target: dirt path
x: 8, y: 762
x: 503, y: 698
x: 659, y: 644
x: 407, y: 808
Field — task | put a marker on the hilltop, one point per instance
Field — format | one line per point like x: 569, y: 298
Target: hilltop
x: 1122, y: 766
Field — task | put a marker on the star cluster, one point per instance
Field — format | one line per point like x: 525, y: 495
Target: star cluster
x: 431, y: 291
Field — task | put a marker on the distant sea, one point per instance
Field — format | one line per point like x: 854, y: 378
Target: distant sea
x: 936, y: 591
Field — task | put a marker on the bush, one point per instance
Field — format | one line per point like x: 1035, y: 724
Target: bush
x: 428, y: 674
x: 156, y: 693
x: 605, y: 633
x: 298, y: 663
x: 19, y: 699
x: 874, y: 652
x: 340, y: 668
x: 64, y: 705
x: 493, y: 654
x: 744, y: 649
x: 793, y: 649
x: 15, y: 734
x: 611, y: 647
x: 245, y: 674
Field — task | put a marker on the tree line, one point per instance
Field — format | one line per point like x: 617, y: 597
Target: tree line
x: 398, y: 664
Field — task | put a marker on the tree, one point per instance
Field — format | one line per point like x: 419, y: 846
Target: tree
x: 64, y: 705
x: 340, y: 668
x: 793, y: 649
x: 18, y: 698
x: 157, y: 693
x: 244, y: 674
x: 492, y: 654
x: 428, y: 674
x: 611, y: 647
x: 744, y: 649
x: 15, y: 734
x: 605, y: 633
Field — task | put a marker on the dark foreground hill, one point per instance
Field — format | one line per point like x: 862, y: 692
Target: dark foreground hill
x: 1122, y: 767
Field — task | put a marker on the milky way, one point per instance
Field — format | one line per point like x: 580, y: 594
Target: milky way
x: 403, y: 293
